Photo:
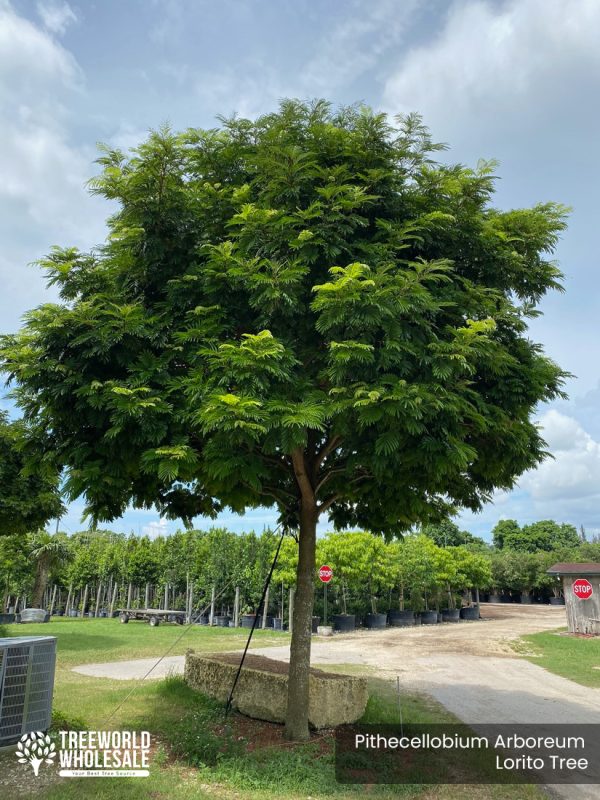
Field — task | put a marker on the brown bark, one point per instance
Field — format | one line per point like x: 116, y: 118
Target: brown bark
x: 42, y: 572
x: 296, y: 724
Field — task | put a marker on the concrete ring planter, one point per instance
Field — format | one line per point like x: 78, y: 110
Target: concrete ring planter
x: 429, y: 617
x: 401, y: 619
x: 344, y: 623
x: 261, y: 691
x: 451, y: 615
x: 221, y: 621
x: 202, y: 620
x: 494, y: 598
x: 248, y: 620
x: 469, y: 613
x: 278, y: 624
x: 557, y: 601
x: 417, y: 619
x: 376, y: 621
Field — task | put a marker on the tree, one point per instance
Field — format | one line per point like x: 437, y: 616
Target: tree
x: 29, y: 495
x: 47, y: 551
x: 505, y: 529
x: 543, y: 535
x: 303, y: 311
x: 447, y: 534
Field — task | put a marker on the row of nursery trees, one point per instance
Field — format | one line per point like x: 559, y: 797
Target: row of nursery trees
x: 103, y: 570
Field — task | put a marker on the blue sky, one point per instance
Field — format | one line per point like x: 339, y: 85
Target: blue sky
x: 515, y: 80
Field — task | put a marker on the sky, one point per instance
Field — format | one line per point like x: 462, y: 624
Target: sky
x: 514, y: 80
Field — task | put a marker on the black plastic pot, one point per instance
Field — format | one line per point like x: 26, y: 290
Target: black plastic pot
x: 526, y: 599
x: 401, y: 619
x: 73, y: 612
x: 494, y: 598
x: 376, y: 621
x: 277, y: 624
x: 451, y: 615
x: 315, y: 623
x: 221, y: 621
x: 6, y: 619
x: 344, y: 622
x: 469, y: 612
x: 439, y: 613
x: 203, y: 620
x: 417, y: 620
x: 429, y: 617
x: 557, y: 601
x: 248, y: 620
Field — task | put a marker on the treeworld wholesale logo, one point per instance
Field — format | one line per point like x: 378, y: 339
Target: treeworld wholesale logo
x: 89, y: 754
x: 35, y: 748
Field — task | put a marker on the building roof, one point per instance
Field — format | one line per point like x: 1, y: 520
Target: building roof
x: 588, y: 568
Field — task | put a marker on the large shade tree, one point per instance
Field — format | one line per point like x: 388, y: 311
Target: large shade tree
x: 303, y: 311
x: 29, y: 482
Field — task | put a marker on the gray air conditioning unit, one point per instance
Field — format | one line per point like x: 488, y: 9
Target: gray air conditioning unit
x: 26, y: 685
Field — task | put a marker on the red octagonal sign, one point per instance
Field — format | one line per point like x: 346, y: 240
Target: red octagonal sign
x: 325, y: 573
x: 582, y: 588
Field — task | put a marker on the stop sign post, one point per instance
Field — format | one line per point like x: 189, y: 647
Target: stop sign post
x: 325, y: 576
x: 582, y: 588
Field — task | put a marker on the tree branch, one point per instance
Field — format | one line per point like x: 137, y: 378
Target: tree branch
x: 327, y: 448
x: 301, y: 474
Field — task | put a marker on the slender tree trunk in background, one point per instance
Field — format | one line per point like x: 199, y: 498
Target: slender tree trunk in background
x: 296, y: 718
x: 236, y: 608
x: 98, y: 597
x: 212, y: 606
x: 114, y: 598
x: 129, y: 592
x: 84, y: 601
x: 477, y: 597
x: 147, y: 596
x: 265, y: 610
x: 51, y: 609
x: 68, y: 604
x: 166, y: 596
x: 291, y: 609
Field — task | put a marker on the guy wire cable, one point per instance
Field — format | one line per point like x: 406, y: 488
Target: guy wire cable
x: 256, y: 617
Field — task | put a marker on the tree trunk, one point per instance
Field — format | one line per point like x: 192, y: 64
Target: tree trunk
x: 296, y: 719
x: 42, y: 572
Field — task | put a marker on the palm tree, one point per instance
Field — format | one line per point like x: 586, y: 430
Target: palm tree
x: 48, y: 552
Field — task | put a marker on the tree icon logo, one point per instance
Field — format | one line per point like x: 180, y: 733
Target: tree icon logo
x: 35, y: 748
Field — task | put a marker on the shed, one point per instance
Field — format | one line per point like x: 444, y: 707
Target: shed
x: 581, y: 588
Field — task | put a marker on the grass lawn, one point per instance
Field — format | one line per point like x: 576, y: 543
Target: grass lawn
x: 573, y: 657
x: 187, y: 759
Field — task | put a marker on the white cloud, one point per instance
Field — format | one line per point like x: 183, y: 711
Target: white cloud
x: 574, y: 472
x: 155, y: 529
x: 356, y: 44
x: 56, y: 16
x: 43, y: 200
x: 493, y: 59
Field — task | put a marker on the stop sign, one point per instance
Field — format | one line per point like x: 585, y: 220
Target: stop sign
x: 582, y: 589
x: 325, y: 573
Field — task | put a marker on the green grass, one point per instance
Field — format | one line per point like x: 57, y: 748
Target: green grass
x: 569, y: 656
x: 186, y: 763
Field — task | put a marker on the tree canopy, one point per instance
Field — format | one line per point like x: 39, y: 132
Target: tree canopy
x: 309, y: 282
x: 29, y: 486
x: 303, y: 311
x: 546, y: 534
